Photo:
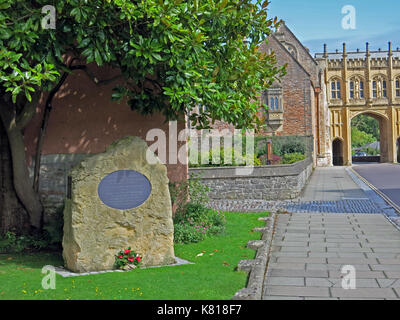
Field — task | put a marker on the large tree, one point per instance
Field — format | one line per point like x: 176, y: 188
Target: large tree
x: 173, y: 56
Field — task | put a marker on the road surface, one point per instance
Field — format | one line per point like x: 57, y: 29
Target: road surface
x: 384, y: 176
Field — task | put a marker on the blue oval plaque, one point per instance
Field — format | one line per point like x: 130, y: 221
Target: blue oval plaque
x: 124, y: 189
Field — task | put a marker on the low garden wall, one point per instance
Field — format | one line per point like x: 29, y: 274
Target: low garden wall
x: 274, y: 182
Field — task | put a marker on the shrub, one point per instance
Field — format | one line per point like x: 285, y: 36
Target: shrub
x: 192, y: 189
x: 185, y: 233
x: 293, y: 157
x: 235, y: 159
x: 13, y: 243
x: 54, y: 229
x: 49, y: 238
x: 292, y: 148
x: 193, y: 221
x: 284, y: 144
x: 198, y: 222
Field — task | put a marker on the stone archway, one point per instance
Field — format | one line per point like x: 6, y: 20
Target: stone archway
x: 387, y: 150
x: 384, y: 132
x: 337, y: 152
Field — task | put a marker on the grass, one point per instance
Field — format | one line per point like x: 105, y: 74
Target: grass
x: 212, y: 277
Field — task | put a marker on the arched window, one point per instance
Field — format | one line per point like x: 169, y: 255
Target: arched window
x: 292, y: 50
x: 271, y: 105
x: 335, y: 89
x: 356, y: 88
x: 379, y: 89
x: 276, y: 103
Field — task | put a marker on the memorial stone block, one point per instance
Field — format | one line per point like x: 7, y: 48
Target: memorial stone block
x: 118, y: 200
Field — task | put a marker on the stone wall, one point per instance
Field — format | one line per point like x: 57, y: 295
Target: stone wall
x: 53, y: 179
x: 277, y: 182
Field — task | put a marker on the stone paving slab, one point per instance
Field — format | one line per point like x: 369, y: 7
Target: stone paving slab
x: 337, y: 283
x: 308, y: 264
x: 389, y: 283
x: 393, y: 274
x: 297, y: 291
x: 364, y: 293
x: 360, y: 274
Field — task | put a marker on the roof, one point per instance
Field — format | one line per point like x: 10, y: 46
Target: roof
x: 290, y: 55
x: 299, y: 42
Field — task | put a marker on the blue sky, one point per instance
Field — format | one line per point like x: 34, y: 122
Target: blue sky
x: 316, y: 22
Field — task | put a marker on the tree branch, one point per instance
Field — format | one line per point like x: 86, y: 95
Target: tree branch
x: 28, y: 111
x: 155, y: 82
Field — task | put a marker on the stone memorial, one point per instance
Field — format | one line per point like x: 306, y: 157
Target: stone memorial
x: 117, y: 200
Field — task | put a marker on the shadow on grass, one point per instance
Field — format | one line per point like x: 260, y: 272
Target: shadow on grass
x: 34, y: 260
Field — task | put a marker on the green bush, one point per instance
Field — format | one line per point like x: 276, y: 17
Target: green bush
x: 186, y: 189
x: 49, y: 238
x: 54, y: 229
x: 284, y: 144
x: 185, y: 233
x: 235, y: 159
x: 292, y: 148
x: 13, y: 243
x: 292, y: 157
x: 193, y: 221
x: 192, y: 211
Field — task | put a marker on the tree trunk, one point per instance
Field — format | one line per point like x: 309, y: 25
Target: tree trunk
x: 13, y: 216
x: 22, y: 183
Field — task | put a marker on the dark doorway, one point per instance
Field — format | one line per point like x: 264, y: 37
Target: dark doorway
x: 337, y: 152
x: 398, y: 150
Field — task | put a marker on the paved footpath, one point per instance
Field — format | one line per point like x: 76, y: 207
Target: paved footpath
x: 331, y: 184
x: 309, y: 251
x: 310, y: 248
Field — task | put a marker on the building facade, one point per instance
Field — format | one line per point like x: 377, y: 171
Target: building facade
x: 319, y: 96
x: 360, y: 83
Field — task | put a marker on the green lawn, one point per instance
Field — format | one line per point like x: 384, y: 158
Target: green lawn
x: 213, y: 275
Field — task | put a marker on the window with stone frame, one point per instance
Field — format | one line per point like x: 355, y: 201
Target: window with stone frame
x: 335, y: 89
x: 379, y: 88
x: 397, y: 87
x: 356, y: 88
x: 273, y: 99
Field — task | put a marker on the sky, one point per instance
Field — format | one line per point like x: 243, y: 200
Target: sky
x: 315, y: 22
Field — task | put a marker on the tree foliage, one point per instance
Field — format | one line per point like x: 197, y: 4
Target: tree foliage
x: 367, y: 124
x: 174, y: 55
x: 360, y: 138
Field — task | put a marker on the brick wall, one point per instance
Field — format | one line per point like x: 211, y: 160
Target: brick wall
x: 297, y: 91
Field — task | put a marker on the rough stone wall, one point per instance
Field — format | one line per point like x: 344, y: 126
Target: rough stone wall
x: 53, y: 180
x: 278, y: 182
